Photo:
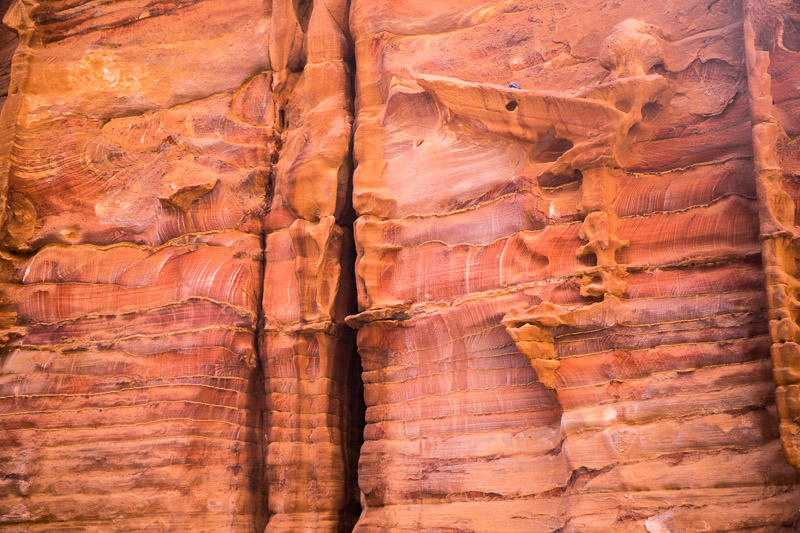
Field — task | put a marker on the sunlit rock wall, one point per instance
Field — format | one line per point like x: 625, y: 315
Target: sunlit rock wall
x: 563, y: 319
x: 314, y: 406
x: 155, y: 150
x: 566, y: 234
x: 137, y: 175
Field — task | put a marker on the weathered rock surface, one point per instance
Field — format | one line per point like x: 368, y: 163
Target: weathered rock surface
x: 567, y: 237
x: 161, y: 371
x: 562, y: 307
x: 772, y: 55
x: 314, y: 412
x: 136, y: 176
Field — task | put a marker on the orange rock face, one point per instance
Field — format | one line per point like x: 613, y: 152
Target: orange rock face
x: 563, y: 319
x: 400, y: 266
x: 176, y: 271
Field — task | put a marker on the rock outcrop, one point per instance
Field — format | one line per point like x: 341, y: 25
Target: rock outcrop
x: 563, y: 320
x: 772, y: 54
x: 314, y: 406
x: 323, y: 265
x: 161, y: 372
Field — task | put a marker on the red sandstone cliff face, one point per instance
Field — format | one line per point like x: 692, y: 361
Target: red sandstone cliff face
x: 136, y: 176
x: 771, y: 35
x: 314, y: 408
x: 8, y: 44
x: 563, y: 322
x: 575, y: 296
x: 162, y: 372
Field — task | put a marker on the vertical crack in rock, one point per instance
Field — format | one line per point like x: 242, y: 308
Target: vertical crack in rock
x: 357, y: 421
x: 176, y: 268
x: 314, y: 419
x: 260, y: 484
x: 541, y: 223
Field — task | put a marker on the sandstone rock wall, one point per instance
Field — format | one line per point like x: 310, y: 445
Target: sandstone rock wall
x: 137, y: 174
x: 565, y: 234
x: 771, y: 40
x: 8, y: 45
x: 152, y: 380
x: 563, y: 319
x: 314, y: 410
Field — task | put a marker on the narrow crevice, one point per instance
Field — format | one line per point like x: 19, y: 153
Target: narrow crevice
x: 258, y: 485
x: 259, y: 391
x: 357, y: 415
x: 355, y: 420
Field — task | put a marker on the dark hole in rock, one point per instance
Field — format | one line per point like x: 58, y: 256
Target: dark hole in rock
x: 635, y: 130
x: 550, y: 181
x: 764, y: 39
x: 302, y: 10
x: 650, y: 110
x: 588, y: 259
x: 511, y: 106
x: 791, y: 34
x: 554, y: 150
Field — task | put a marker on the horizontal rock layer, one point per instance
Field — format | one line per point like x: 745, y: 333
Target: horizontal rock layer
x: 132, y: 396
x: 563, y: 322
x: 566, y: 237
x: 771, y: 51
x: 176, y: 269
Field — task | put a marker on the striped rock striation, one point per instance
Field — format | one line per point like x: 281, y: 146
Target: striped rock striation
x: 175, y: 268
x: 772, y: 51
x: 324, y: 265
x: 314, y: 407
x: 563, y: 319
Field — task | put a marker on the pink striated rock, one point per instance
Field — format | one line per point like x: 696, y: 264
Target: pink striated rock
x: 565, y: 234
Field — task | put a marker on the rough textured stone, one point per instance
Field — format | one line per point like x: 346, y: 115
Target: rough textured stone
x: 161, y: 371
x: 566, y: 236
x: 563, y: 317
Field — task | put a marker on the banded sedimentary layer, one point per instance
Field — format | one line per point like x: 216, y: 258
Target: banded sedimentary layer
x: 771, y: 41
x: 314, y: 413
x: 137, y: 173
x: 563, y: 322
x: 151, y: 379
x: 565, y: 234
